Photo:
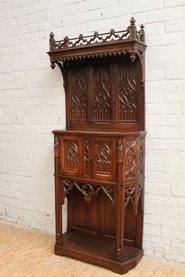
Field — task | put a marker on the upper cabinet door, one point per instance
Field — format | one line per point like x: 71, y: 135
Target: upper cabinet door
x: 103, y: 158
x: 127, y: 91
x: 77, y: 101
x: 70, y: 162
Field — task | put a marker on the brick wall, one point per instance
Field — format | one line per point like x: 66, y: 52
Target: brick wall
x: 32, y: 105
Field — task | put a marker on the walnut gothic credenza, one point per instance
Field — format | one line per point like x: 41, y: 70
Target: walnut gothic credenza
x: 99, y: 158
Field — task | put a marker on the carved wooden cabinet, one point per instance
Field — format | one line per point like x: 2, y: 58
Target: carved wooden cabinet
x: 99, y: 158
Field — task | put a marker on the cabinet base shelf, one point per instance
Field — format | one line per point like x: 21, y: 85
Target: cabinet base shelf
x: 98, y: 252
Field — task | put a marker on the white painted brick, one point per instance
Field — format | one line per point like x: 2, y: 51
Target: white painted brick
x: 58, y: 3
x: 155, y: 120
x: 19, y: 67
x: 115, y: 11
x: 154, y: 97
x: 153, y: 230
x: 174, y: 62
x: 146, y: 6
x: 152, y: 220
x: 81, y: 7
x: 10, y: 128
x: 177, y: 120
x: 9, y: 41
x: 5, y: 137
x: 96, y: 4
x: 181, y: 225
x: 4, y: 68
x: 43, y: 138
x: 47, y: 110
x: 106, y: 25
x: 182, y: 133
x: 5, y: 86
x: 175, y: 25
x: 81, y: 18
x: 166, y: 39
x: 19, y: 102
x: 155, y: 28
x: 30, y: 129
x: 18, y: 49
x: 123, y: 22
x: 33, y: 7
x: 11, y: 13
x: 178, y: 191
x: 155, y: 74
x: 175, y: 144
x: 29, y: 109
x: 173, y: 3
x: 163, y: 109
x: 171, y: 97
x: 174, y: 74
x: 164, y: 15
x: 18, y: 119
x: 161, y: 177
x: 33, y: 27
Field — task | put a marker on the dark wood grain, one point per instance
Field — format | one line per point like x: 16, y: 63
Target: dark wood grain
x: 99, y: 158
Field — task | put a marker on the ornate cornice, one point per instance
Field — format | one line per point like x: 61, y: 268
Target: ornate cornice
x: 129, y: 41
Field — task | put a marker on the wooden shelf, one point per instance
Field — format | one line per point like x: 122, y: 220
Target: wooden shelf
x: 98, y: 252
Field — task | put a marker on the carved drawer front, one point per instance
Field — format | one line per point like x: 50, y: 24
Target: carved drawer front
x: 70, y: 162
x: 103, y: 158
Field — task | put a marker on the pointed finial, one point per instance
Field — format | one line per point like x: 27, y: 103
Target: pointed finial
x: 51, y: 35
x: 51, y: 40
x: 132, y: 21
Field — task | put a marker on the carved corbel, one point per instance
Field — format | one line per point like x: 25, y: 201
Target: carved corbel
x: 141, y: 61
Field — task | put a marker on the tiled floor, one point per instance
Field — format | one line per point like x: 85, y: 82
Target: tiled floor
x: 29, y: 253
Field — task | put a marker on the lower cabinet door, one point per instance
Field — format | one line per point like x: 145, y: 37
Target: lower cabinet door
x: 103, y: 158
x: 70, y: 162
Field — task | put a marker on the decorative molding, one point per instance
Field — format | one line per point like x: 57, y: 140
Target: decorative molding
x: 56, y: 147
x: 88, y: 190
x: 86, y: 163
x: 119, y: 255
x: 133, y: 194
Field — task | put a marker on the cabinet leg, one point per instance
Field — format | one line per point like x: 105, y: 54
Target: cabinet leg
x: 58, y: 207
x: 120, y: 223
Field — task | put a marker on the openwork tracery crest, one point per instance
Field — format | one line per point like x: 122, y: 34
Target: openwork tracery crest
x: 88, y: 190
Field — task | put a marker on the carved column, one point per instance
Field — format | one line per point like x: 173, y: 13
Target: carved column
x: 58, y: 195
x: 120, y: 196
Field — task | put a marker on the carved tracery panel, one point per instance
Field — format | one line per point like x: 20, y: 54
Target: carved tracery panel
x: 103, y: 163
x: 141, y: 156
x: 71, y: 156
x: 102, y: 94
x: 130, y: 159
x: 78, y: 95
x: 127, y: 91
